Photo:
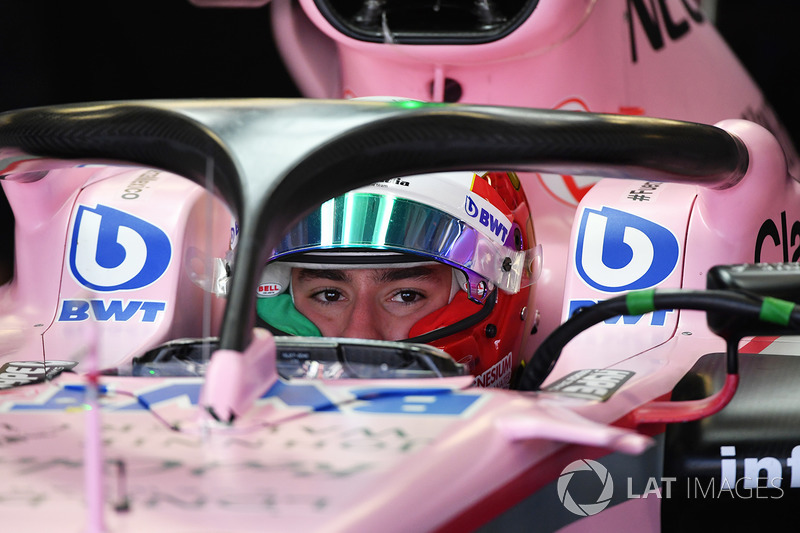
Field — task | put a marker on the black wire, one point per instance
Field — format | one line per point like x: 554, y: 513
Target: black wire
x: 737, y: 303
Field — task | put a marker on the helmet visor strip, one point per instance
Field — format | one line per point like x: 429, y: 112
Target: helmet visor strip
x: 381, y: 222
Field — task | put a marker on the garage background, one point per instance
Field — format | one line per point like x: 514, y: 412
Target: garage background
x: 89, y: 50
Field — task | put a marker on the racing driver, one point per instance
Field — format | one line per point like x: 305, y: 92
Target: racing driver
x: 444, y: 259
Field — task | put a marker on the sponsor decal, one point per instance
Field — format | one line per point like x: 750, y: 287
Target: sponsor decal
x: 110, y: 310
x: 591, y: 384
x: 758, y: 472
x: 137, y: 186
x: 618, y: 251
x: 392, y: 181
x: 265, y: 290
x: 499, y: 375
x: 442, y: 402
x: 771, y: 235
x: 18, y: 373
x: 741, y: 478
x: 657, y: 318
x: 488, y: 216
x: 646, y: 192
x: 234, y: 233
x: 111, y: 250
x: 411, y: 401
x: 674, y: 23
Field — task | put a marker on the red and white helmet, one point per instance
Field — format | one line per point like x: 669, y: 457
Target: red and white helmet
x: 479, y: 224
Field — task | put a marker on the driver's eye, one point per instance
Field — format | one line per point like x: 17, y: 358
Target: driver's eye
x: 330, y: 295
x: 408, y: 296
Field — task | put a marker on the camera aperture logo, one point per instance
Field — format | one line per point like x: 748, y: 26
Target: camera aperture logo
x: 588, y: 469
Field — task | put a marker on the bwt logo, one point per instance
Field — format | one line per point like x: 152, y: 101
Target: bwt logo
x: 618, y: 251
x: 486, y: 218
x: 113, y: 310
x: 111, y: 250
x: 657, y: 318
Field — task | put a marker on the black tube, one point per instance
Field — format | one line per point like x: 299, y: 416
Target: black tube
x: 730, y: 302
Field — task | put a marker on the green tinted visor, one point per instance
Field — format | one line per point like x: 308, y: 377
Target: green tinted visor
x: 379, y: 222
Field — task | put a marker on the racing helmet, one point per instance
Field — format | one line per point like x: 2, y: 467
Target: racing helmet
x: 479, y: 224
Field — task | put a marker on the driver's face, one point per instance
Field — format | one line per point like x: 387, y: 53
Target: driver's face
x: 370, y: 303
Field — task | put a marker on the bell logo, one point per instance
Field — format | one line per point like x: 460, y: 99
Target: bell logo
x: 269, y: 289
x: 618, y: 251
x: 111, y: 250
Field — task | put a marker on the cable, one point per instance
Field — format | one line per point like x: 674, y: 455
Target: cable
x: 751, y: 307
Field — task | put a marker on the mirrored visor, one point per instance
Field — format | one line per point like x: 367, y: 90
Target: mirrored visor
x: 388, y: 223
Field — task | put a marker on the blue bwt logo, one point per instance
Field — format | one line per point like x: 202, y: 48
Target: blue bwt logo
x: 111, y: 250
x: 492, y: 222
x: 618, y: 251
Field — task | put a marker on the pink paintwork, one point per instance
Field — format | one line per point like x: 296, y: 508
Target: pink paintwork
x: 709, y: 227
x: 582, y: 55
x: 349, y: 455
x: 372, y: 455
x: 47, y: 306
x: 235, y: 380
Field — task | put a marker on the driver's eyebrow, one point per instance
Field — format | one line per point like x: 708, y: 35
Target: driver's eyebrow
x: 384, y: 275
x: 399, y: 274
x: 306, y: 274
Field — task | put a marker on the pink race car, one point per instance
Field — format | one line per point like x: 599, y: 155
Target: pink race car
x: 132, y: 399
x: 137, y: 393
x: 634, y: 57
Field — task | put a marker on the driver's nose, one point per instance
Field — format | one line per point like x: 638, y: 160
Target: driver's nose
x: 364, y: 321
